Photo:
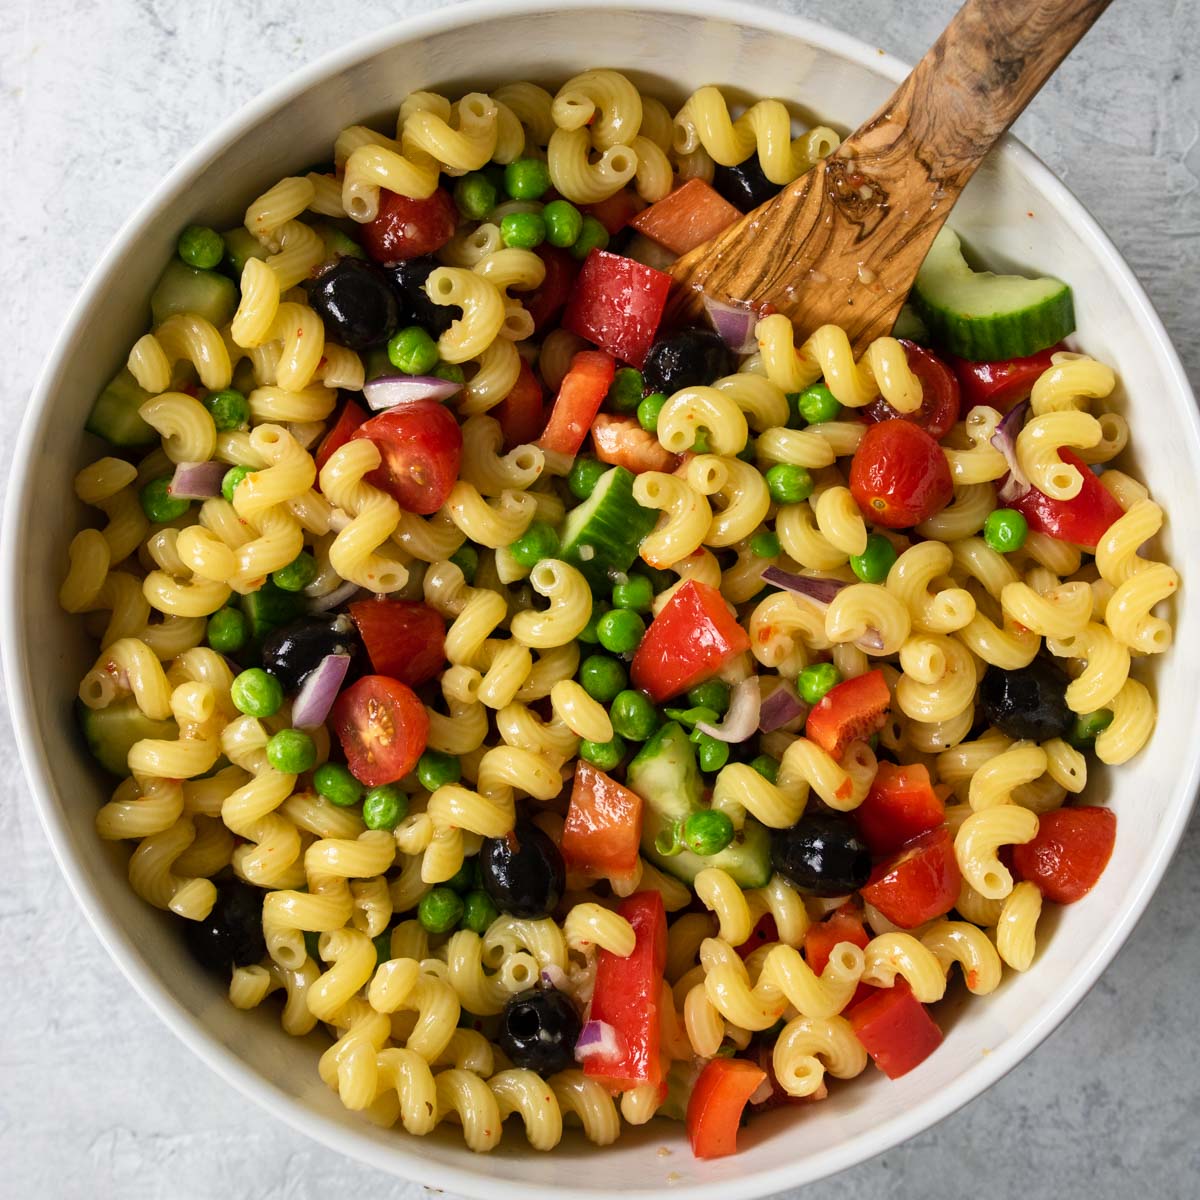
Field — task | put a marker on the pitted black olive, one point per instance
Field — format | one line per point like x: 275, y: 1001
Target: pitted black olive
x: 822, y: 855
x: 416, y: 308
x: 523, y: 871
x: 539, y: 1029
x: 1028, y: 703
x: 356, y: 301
x: 689, y: 358
x: 231, y: 935
x: 294, y: 651
x: 745, y: 186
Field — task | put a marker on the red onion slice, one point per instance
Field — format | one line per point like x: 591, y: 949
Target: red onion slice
x: 340, y: 595
x: 734, y: 324
x: 598, y: 1039
x: 763, y: 1092
x: 741, y: 721
x: 822, y: 592
x: 197, y: 480
x: 1005, y: 440
x: 390, y: 391
x: 553, y: 976
x: 319, y: 691
x: 780, y: 708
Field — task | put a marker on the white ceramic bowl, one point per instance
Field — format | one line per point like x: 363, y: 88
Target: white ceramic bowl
x: 1015, y: 213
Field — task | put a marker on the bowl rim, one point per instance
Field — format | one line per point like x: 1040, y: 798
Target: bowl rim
x: 404, y: 1157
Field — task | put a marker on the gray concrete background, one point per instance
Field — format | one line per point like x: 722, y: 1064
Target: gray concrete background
x: 97, y: 99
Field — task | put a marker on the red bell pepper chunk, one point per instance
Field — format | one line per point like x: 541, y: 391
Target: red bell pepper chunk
x: 900, y: 806
x: 895, y: 1029
x: 546, y: 302
x: 844, y: 924
x: 690, y: 640
x: 919, y: 883
x: 404, y: 639
x: 1083, y: 520
x: 578, y: 401
x: 1003, y: 383
x: 617, y: 304
x: 1069, y: 853
x: 852, y: 710
x: 603, y: 827
x: 624, y: 443
x: 627, y: 995
x: 349, y: 419
x: 763, y: 934
x: 691, y: 214
x: 715, y: 1106
x: 522, y: 413
x: 616, y: 211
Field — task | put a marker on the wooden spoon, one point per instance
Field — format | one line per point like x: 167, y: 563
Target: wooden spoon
x: 843, y: 243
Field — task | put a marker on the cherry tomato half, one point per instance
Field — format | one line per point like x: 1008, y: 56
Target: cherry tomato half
x: 407, y: 228
x: 522, y: 413
x: 420, y: 446
x: 940, y: 402
x: 349, y: 419
x: 899, y: 475
x: 405, y: 639
x: 382, y: 727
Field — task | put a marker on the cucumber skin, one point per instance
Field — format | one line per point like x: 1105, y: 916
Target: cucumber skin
x: 122, y: 718
x: 747, y: 862
x: 622, y: 545
x: 994, y: 339
x: 269, y: 608
x: 114, y: 415
x: 240, y: 244
x: 181, y: 289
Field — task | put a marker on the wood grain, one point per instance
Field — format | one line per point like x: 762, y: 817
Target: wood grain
x: 843, y: 243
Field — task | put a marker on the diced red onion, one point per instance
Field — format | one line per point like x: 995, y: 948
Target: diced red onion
x: 780, y: 708
x: 197, y: 480
x: 741, y: 721
x: 763, y: 1092
x: 319, y: 691
x: 340, y: 595
x: 390, y: 391
x: 734, y: 324
x: 598, y: 1039
x: 820, y: 590
x: 1005, y: 440
x: 553, y: 976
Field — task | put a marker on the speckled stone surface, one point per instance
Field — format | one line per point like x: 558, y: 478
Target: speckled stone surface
x: 97, y: 99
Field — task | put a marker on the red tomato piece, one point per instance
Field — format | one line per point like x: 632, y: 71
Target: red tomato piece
x: 940, y: 394
x: 691, y: 639
x: 617, y: 304
x: 522, y: 413
x: 616, y: 211
x: 691, y: 214
x: 349, y: 419
x: 895, y: 1029
x: 578, y: 401
x: 900, y: 806
x: 604, y: 826
x: 382, y: 727
x: 899, y: 475
x: 842, y: 925
x: 714, y: 1110
x: 763, y: 934
x: 420, y: 447
x: 624, y: 443
x: 408, y: 228
x: 919, y: 883
x: 627, y: 995
x: 405, y: 639
x: 850, y: 711
x: 546, y: 302
x: 1083, y: 520
x: 1003, y: 383
x: 1069, y: 853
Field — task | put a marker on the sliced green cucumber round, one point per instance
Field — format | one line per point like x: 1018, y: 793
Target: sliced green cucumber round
x: 603, y: 534
x: 981, y: 316
x: 184, y: 289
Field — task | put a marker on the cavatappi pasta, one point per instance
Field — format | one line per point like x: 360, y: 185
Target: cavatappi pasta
x: 504, y: 757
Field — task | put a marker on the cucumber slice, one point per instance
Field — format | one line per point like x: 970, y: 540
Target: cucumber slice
x: 240, y: 244
x: 114, y: 416
x: 111, y: 732
x: 665, y: 775
x: 983, y: 317
x: 337, y: 243
x: 601, y: 536
x: 269, y: 608
x: 184, y: 289
x: 747, y: 859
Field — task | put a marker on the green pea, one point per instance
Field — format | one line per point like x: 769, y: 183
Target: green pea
x: 527, y: 179
x: 874, y: 563
x: 384, y: 807
x: 707, y: 832
x: 450, y: 371
x: 201, y: 247
x: 592, y: 236
x: 766, y: 766
x: 465, y: 878
x: 649, y: 409
x: 564, y: 223
x: 585, y: 474
x: 636, y: 593
x: 633, y: 715
x: 298, y: 574
x: 383, y: 947
x: 539, y: 541
x: 815, y: 680
x: 712, y: 694
x: 1087, y: 727
x: 711, y: 753
x: 524, y: 230
x: 1005, y: 530
x: 605, y: 755
x: 337, y: 785
x: 625, y: 394
x: 231, y: 479
x: 620, y: 631
x: 412, y: 351
x: 478, y: 911
x: 158, y: 504
x: 256, y: 693
x: 466, y: 559
x: 589, y: 634
x: 440, y: 910
x: 815, y: 404
x: 789, y: 484
x: 435, y: 770
x: 765, y: 544
x: 475, y: 196
x: 228, y: 408
x: 226, y: 631
x: 291, y: 752
x: 602, y: 677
